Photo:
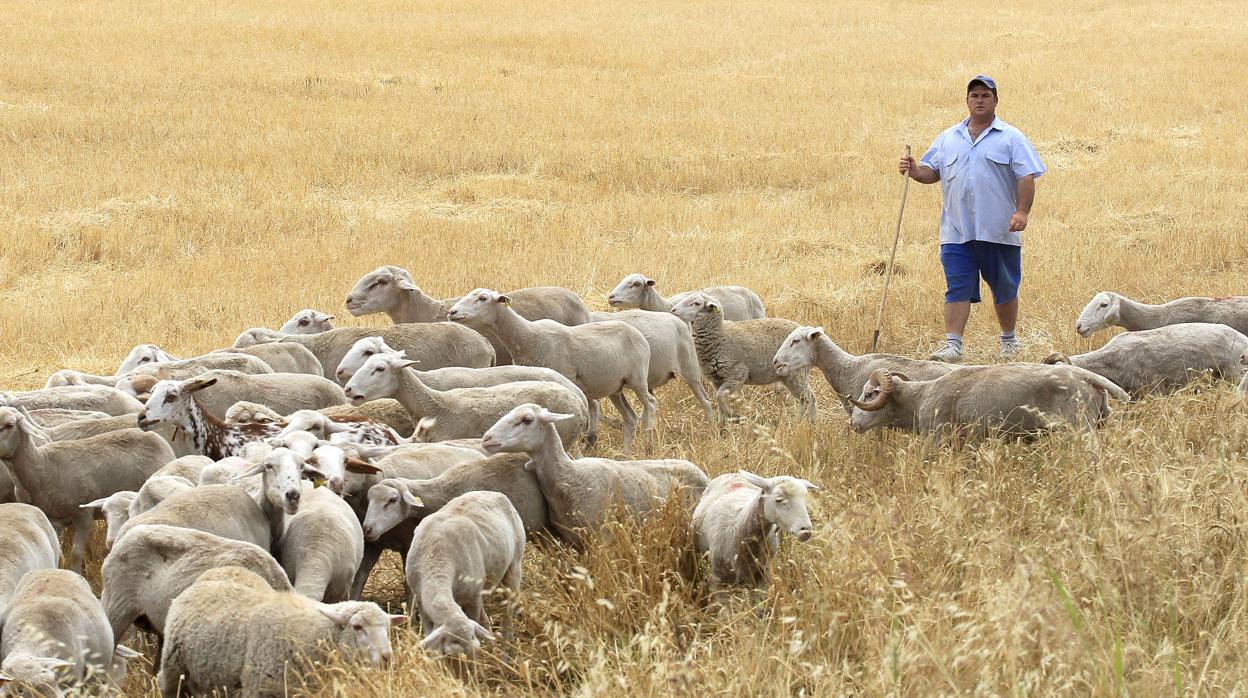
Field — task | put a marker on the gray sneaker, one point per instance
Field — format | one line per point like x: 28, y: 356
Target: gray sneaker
x: 1009, y: 347
x: 948, y: 354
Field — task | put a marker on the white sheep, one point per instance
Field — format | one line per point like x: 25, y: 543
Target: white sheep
x: 672, y: 353
x: 147, y: 570
x: 55, y: 416
x: 462, y: 412
x: 223, y: 510
x: 580, y: 492
x: 1016, y: 399
x: 450, y: 377
x: 1164, y: 359
x: 282, y: 392
x: 438, y: 344
x: 97, y: 398
x: 55, y: 633
x: 323, y: 546
x: 601, y: 358
x: 738, y: 523
x: 181, y: 369
x: 734, y: 354
x: 637, y: 291
x: 142, y: 355
x: 307, y: 321
x: 68, y: 376
x: 230, y: 631
x: 807, y: 347
x: 57, y: 477
x: 395, y: 502
x: 1107, y: 309
x: 29, y: 543
x: 470, y: 546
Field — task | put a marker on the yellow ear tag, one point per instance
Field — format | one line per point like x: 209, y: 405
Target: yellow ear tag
x: 318, y: 482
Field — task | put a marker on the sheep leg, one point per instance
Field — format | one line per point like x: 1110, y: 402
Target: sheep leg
x: 82, y: 531
x: 591, y: 434
x: 799, y: 387
x: 649, y: 408
x: 699, y: 394
x: 371, y: 553
x: 628, y: 416
x: 723, y: 396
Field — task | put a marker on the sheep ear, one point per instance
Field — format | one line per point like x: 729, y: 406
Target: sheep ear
x: 126, y: 653
x: 760, y: 482
x: 552, y: 417
x: 503, y: 298
x: 195, y: 384
x: 816, y: 333
x: 322, y: 317
x: 4, y: 678
x: 340, y: 617
x: 355, y: 465
x: 411, y: 499
x: 97, y: 504
x: 255, y: 469
x: 313, y: 473
x: 52, y: 662
x: 480, y: 631
x: 809, y: 485
x: 650, y: 282
x: 409, y: 364
x: 398, y: 620
x: 432, y: 637
x: 713, y: 307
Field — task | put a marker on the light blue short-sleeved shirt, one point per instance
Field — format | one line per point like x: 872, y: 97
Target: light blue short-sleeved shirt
x: 979, y: 181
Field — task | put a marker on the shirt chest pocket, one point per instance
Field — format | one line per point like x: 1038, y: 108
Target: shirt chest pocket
x: 950, y: 167
x: 999, y: 156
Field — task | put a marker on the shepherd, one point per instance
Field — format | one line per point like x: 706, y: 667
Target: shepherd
x: 987, y: 170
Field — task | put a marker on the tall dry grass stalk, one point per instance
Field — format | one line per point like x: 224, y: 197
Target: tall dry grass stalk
x: 177, y: 172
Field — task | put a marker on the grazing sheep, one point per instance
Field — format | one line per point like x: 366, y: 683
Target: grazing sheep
x: 230, y: 631
x: 438, y: 344
x: 468, y: 547
x: 95, y: 398
x: 453, y: 376
x: 322, y: 547
x: 1013, y: 399
x: 1107, y: 309
x: 282, y: 357
x: 1165, y: 359
x: 738, y: 523
x: 463, y: 412
x: 281, y: 487
x: 55, y: 633
x: 579, y: 492
x: 307, y: 321
x: 60, y: 476
x: 282, y: 392
x: 811, y: 346
x: 601, y: 358
x: 395, y: 502
x: 740, y: 353
x: 29, y: 543
x: 147, y: 570
x: 672, y: 353
x: 637, y: 291
x: 223, y: 510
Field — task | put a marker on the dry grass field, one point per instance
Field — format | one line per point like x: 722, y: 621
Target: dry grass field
x: 178, y: 172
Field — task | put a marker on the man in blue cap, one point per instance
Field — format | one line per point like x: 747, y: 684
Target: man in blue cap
x: 987, y: 170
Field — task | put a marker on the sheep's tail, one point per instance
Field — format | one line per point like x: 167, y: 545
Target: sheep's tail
x: 1057, y: 357
x: 1102, y: 383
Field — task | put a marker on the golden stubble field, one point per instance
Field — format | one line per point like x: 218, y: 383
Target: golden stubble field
x: 177, y: 172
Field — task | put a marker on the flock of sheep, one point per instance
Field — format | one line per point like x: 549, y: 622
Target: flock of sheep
x: 249, y: 492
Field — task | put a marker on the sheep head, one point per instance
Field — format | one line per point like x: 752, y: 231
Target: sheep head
x: 377, y: 378
x: 366, y: 624
x: 307, y: 321
x: 1101, y: 312
x: 479, y: 308
x: 869, y: 409
x: 783, y: 500
x: 797, y: 352
x: 380, y: 290
x: 695, y: 305
x: 141, y: 355
x: 522, y: 430
x: 362, y: 351
x: 388, y: 506
x: 630, y: 292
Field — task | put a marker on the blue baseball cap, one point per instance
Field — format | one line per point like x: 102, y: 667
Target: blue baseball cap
x: 985, y: 81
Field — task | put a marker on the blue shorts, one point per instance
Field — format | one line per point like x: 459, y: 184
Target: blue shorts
x: 1001, y: 267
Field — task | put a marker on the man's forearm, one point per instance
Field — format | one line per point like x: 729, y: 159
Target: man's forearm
x: 924, y: 175
x: 1026, y: 193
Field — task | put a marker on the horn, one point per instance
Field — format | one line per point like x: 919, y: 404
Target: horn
x: 884, y: 380
x: 1056, y: 357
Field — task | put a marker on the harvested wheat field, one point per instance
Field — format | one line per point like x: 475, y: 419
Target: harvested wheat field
x: 176, y: 173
